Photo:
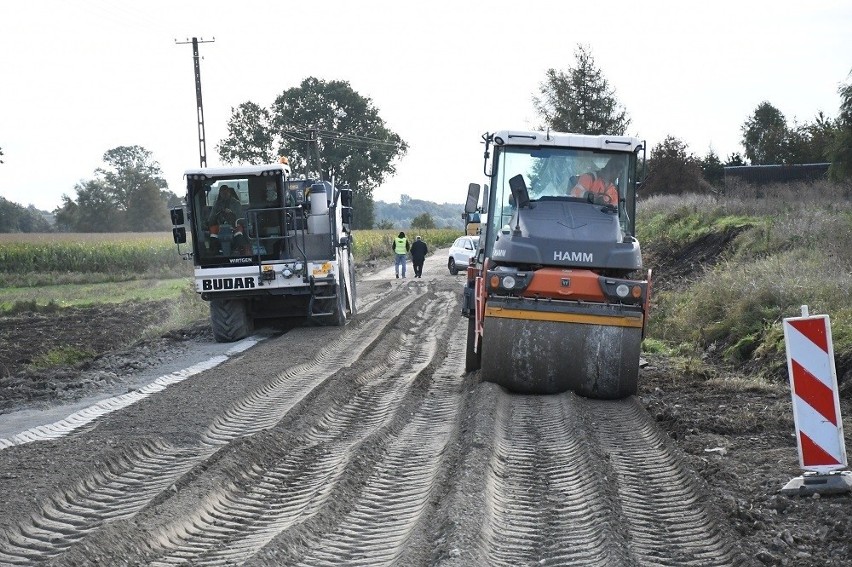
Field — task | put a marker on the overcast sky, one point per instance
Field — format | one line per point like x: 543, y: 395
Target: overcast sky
x: 78, y: 78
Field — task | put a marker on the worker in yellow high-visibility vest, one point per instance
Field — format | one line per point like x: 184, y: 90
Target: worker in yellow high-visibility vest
x: 400, y: 247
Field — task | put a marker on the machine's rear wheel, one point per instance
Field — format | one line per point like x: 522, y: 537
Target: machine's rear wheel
x: 353, y: 308
x: 230, y: 320
x: 339, y: 316
x: 472, y: 360
x: 548, y: 357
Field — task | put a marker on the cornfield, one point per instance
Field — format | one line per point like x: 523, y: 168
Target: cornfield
x: 375, y: 244
x: 74, y: 257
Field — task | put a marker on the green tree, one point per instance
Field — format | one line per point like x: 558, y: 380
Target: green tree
x: 765, y: 136
x: 840, y: 149
x: 811, y: 142
x: 580, y: 100
x: 384, y: 224
x: 128, y: 169
x: 67, y: 215
x: 735, y: 159
x: 147, y: 210
x: 424, y: 221
x: 712, y: 168
x: 324, y: 128
x: 250, y: 136
x: 15, y: 218
x: 128, y: 193
x: 94, y: 210
x: 672, y: 170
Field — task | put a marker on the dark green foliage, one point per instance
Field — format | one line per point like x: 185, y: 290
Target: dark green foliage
x: 672, y: 170
x: 769, y: 140
x: 128, y: 194
x: 580, y: 100
x: 250, y: 138
x: 147, y: 211
x: 840, y: 149
x: 423, y: 220
x: 712, y: 169
x: 363, y: 209
x: 764, y: 136
x: 323, y: 127
x: 15, y: 218
x: 735, y: 159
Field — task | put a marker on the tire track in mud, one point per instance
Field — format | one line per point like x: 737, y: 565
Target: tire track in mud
x: 369, y: 463
x: 393, y: 500
x: 232, y: 525
x: 117, y: 491
x: 575, y: 481
x: 666, y: 520
x: 265, y: 407
x: 124, y: 485
x: 542, y: 492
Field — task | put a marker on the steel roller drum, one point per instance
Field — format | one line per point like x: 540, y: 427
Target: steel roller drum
x: 548, y: 357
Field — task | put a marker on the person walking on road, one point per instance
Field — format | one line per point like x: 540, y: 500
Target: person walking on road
x: 418, y: 256
x: 400, y: 247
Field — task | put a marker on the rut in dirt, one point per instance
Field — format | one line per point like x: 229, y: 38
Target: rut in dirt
x: 124, y: 485
x: 380, y: 450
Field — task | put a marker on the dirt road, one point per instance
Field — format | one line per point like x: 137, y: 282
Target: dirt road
x: 363, y: 445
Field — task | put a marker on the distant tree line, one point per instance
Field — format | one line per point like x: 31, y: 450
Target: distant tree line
x: 416, y: 213
x: 15, y: 218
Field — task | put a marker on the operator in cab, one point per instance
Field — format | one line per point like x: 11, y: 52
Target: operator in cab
x: 225, y: 222
x: 599, y: 187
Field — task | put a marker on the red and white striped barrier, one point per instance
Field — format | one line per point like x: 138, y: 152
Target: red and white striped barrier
x: 813, y: 383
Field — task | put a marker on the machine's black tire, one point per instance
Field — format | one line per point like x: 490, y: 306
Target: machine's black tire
x: 472, y: 360
x: 451, y: 265
x: 339, y: 317
x: 353, y: 309
x: 230, y: 320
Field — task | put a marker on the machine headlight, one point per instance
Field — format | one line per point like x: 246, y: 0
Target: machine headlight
x: 623, y: 291
x: 507, y: 280
x: 286, y: 272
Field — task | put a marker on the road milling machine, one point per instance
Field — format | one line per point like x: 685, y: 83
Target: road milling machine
x: 267, y: 245
x: 556, y: 297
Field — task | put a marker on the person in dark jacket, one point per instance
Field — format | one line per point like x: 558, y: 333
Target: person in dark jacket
x: 418, y: 256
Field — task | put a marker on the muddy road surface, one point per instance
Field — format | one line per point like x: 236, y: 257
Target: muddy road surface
x: 363, y: 445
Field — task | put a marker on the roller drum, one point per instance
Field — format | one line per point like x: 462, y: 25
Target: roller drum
x: 549, y: 357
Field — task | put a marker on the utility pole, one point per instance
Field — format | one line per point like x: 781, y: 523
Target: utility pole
x: 202, y: 144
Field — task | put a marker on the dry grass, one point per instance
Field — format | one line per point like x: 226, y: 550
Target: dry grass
x: 795, y: 248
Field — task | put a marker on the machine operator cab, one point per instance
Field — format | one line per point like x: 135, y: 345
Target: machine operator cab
x: 236, y: 213
x: 570, y: 187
